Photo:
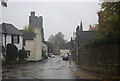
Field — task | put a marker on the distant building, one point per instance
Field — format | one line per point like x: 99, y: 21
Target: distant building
x: 45, y: 49
x: 33, y: 40
x: 56, y: 50
x: 64, y: 51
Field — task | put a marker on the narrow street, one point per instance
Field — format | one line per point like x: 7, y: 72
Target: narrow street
x: 52, y: 68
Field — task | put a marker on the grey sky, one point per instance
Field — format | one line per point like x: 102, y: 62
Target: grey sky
x: 58, y: 16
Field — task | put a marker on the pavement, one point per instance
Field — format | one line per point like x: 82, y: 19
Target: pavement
x: 77, y: 71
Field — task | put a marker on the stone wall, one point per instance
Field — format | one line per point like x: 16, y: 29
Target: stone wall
x: 104, y: 58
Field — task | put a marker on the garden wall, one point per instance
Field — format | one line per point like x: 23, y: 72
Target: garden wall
x: 104, y: 58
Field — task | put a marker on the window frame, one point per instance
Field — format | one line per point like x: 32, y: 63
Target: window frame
x: 15, y: 39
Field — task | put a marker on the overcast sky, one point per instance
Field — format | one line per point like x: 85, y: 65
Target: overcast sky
x: 58, y: 16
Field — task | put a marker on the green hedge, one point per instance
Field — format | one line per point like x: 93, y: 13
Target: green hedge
x: 12, y: 52
x: 22, y: 54
x: 101, y: 40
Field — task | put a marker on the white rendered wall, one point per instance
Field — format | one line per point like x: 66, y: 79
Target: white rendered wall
x: 35, y: 47
x: 64, y: 51
x: 20, y: 45
x: 8, y: 40
x: 38, y: 44
x: 30, y: 46
x: 0, y: 38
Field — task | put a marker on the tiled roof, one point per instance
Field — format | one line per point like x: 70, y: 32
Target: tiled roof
x: 10, y: 29
x: 28, y: 35
x: 85, y: 36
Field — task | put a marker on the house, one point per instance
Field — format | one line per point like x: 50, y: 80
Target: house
x: 33, y: 40
x: 0, y: 33
x: 81, y: 39
x: 10, y: 34
x: 1, y: 43
x: 45, y: 49
x: 56, y: 50
x: 64, y: 51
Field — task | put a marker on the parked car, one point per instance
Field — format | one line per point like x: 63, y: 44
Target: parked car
x: 65, y: 57
x: 53, y: 56
x: 49, y: 54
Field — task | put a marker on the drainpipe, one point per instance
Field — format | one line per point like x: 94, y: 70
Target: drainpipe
x: 5, y: 39
x: 78, y: 53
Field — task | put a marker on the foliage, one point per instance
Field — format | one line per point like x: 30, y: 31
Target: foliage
x: 31, y: 29
x: 57, y: 40
x: 28, y: 29
x: 93, y: 28
x: 44, y: 56
x: 12, y: 52
x: 109, y: 24
x: 101, y: 40
x: 49, y: 46
x: 110, y: 18
x: 22, y: 54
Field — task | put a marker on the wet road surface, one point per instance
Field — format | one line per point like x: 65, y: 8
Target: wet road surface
x: 53, y: 68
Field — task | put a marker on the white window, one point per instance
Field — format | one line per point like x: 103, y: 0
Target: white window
x: 15, y: 39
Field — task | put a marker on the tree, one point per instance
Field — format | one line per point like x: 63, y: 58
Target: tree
x: 31, y: 29
x: 110, y: 19
x: 49, y: 46
x: 58, y: 40
x: 51, y: 39
x: 109, y: 26
x: 28, y: 29
x: 93, y: 27
x: 22, y: 54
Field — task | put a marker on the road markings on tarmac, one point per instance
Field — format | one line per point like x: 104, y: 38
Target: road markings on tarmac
x: 116, y: 77
x: 89, y: 77
x: 77, y: 74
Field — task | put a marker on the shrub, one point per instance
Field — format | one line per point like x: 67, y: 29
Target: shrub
x: 44, y: 56
x: 12, y: 52
x: 101, y: 40
x: 22, y: 54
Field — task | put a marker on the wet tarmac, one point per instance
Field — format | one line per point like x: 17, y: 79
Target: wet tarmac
x: 53, y: 68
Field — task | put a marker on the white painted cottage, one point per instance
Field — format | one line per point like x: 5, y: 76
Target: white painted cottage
x: 10, y: 34
x: 64, y: 51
